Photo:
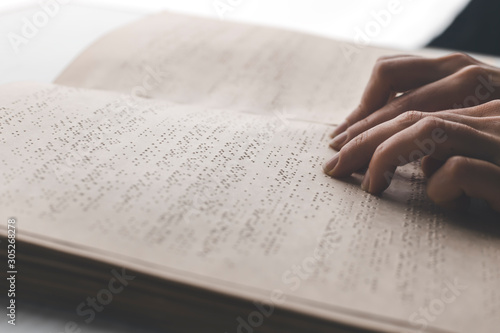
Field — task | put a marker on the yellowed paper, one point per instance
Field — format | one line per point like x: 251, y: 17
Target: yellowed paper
x: 219, y: 64
x: 238, y: 203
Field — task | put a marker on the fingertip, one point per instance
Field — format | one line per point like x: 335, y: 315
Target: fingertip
x: 365, y: 185
x: 339, y: 141
x: 340, y: 128
x: 430, y: 165
x: 329, y: 166
x: 378, y: 184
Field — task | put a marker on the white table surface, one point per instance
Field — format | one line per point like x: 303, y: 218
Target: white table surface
x: 80, y: 22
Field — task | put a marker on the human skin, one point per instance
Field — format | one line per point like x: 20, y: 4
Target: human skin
x: 444, y: 111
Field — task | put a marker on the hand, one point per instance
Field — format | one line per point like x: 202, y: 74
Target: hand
x: 456, y: 132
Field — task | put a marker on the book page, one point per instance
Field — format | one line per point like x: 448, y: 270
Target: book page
x: 230, y: 65
x: 238, y: 203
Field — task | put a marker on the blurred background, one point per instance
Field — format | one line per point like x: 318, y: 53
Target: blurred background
x: 78, y: 23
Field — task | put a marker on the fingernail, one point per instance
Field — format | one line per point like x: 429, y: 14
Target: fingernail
x: 339, y: 140
x: 330, y: 165
x: 340, y: 128
x: 365, y: 185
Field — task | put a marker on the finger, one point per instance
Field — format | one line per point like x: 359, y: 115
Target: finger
x: 341, y: 128
x: 483, y: 124
x: 444, y: 94
x: 488, y: 109
x: 432, y: 136
x: 358, y: 152
x: 461, y: 176
x: 400, y: 74
x: 430, y: 165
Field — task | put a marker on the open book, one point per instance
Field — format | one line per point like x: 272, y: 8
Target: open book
x: 172, y: 176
